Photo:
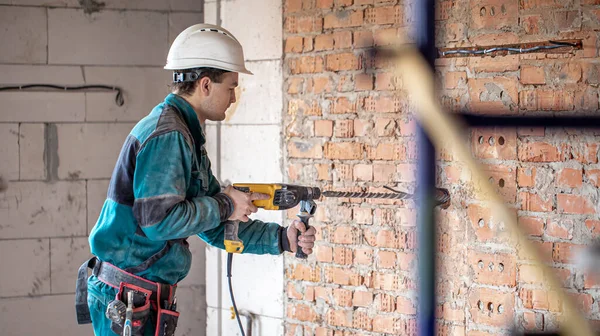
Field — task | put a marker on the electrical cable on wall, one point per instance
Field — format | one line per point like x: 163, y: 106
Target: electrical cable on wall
x: 118, y: 98
x: 553, y: 45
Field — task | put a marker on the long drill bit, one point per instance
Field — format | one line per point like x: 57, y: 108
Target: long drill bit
x: 442, y: 196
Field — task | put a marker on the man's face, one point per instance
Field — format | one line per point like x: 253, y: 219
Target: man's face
x: 221, y: 96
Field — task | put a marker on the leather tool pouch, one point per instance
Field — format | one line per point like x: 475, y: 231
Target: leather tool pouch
x: 141, y: 308
x: 166, y: 316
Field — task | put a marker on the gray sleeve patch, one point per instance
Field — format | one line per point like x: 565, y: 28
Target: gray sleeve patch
x: 120, y: 189
x: 152, y: 210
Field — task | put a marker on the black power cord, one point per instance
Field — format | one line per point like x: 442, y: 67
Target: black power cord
x: 118, y: 99
x: 237, y: 315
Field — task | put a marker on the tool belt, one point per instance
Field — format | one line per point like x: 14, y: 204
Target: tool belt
x: 151, y: 300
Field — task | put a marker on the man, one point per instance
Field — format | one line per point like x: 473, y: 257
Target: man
x: 162, y: 191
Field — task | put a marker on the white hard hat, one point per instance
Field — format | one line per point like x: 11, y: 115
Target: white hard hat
x: 206, y: 46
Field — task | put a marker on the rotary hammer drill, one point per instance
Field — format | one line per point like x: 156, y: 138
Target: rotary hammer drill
x: 287, y: 196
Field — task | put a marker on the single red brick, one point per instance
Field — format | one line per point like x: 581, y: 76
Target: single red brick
x: 532, y: 225
x: 494, y: 14
x: 526, y: 176
x: 538, y: 4
x: 323, y: 42
x: 342, y: 297
x: 302, y: 312
x: 343, y: 62
x: 363, y: 172
x: 560, y: 228
x: 294, y: 44
x: 504, y: 180
x: 324, y: 253
x: 384, y: 324
x: 454, y: 79
x: 318, y: 85
x: 306, y: 64
x: 323, y: 4
x: 491, y: 307
x: 532, y: 75
x: 384, y: 172
x: 494, y: 64
x: 363, y: 82
x: 292, y: 292
x: 301, y: 149
x: 362, y: 215
x: 342, y: 256
x: 585, y: 152
x: 344, y: 19
x: 292, y: 6
x: 323, y: 128
x: 531, y: 23
x: 574, y: 204
x: 295, y: 85
x: 343, y: 105
x: 384, y: 15
x: 345, y: 235
x: 564, y: 252
x: 363, y: 256
x: 362, y: 299
x: 535, y: 202
x: 324, y: 293
x: 363, y: 39
x: 344, y: 128
x: 342, y: 39
x: 323, y: 171
x: 342, y: 276
x: 386, y: 259
x: 530, y: 274
x: 343, y: 150
x: 304, y: 272
x: 539, y: 152
x: 339, y: 318
x: 496, y: 269
x: 498, y: 94
x: 547, y: 100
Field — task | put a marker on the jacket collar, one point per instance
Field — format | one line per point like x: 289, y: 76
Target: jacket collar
x: 190, y: 117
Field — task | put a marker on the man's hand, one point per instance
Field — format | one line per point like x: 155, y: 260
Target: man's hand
x: 242, y: 203
x: 306, y: 239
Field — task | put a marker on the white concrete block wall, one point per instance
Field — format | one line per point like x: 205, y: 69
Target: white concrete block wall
x: 250, y: 146
x: 58, y: 148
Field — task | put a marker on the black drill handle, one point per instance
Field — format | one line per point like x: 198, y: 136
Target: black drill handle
x: 299, y: 253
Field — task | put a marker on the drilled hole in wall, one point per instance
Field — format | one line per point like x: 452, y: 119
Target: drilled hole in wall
x: 491, y: 141
x: 491, y: 266
x: 493, y: 11
x: 481, y: 139
x: 480, y: 305
x: 491, y: 180
x: 501, y: 183
x: 480, y: 264
x: 501, y: 141
x: 500, y: 309
x: 482, y: 11
x: 490, y: 306
x: 501, y: 267
x: 481, y: 222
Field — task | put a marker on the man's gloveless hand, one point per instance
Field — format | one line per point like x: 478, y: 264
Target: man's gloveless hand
x: 242, y: 203
x: 306, y: 240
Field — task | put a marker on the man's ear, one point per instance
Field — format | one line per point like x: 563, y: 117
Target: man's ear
x: 204, y: 86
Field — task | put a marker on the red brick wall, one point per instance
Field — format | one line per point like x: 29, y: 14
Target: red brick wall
x: 349, y: 127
